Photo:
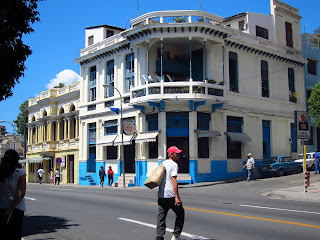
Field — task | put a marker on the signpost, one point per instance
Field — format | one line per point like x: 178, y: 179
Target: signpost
x: 302, y: 127
x: 129, y: 128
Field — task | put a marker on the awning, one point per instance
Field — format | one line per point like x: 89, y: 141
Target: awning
x: 126, y: 139
x: 207, y: 133
x: 238, y: 137
x: 147, y: 137
x: 107, y: 140
x: 23, y: 161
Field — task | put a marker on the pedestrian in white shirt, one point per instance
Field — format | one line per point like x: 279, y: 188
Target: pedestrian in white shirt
x: 168, y: 196
x: 40, y: 174
x: 250, y: 166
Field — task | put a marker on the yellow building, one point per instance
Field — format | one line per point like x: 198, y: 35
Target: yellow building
x: 53, y: 132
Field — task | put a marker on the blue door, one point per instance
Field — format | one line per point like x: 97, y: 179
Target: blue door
x: 266, y: 138
x: 294, y: 139
x: 91, y: 163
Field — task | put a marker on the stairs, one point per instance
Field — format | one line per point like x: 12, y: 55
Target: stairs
x: 90, y: 180
x: 129, y: 180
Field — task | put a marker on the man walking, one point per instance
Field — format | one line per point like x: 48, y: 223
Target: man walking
x: 40, y: 174
x: 317, y: 158
x: 168, y: 196
x: 250, y: 166
x: 110, y: 176
x: 102, y: 174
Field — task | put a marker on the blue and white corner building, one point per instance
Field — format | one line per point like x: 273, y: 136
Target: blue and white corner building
x: 215, y: 87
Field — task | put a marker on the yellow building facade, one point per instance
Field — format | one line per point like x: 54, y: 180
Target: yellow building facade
x: 53, y: 133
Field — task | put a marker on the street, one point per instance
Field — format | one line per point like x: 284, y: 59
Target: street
x: 221, y: 212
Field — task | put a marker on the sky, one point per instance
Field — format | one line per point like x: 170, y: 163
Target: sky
x: 60, y: 34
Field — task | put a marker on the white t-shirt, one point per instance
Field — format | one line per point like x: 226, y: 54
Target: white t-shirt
x: 9, y: 190
x: 166, y: 189
x: 250, y: 163
x: 40, y: 172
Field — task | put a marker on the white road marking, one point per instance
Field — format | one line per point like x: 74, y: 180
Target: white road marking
x: 61, y: 189
x: 280, y: 209
x: 28, y: 198
x: 167, y: 229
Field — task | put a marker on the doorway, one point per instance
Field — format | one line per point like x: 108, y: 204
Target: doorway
x: 183, y: 144
x: 70, y: 168
x: 129, y: 157
x: 266, y: 138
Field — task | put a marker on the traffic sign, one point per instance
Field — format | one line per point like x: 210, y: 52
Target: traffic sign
x: 58, y: 160
x: 129, y: 128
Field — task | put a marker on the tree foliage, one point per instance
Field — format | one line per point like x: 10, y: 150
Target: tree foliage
x: 312, y: 40
x: 22, y: 118
x: 61, y: 85
x: 16, y: 17
x: 314, y: 104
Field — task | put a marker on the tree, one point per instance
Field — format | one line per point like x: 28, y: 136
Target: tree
x: 314, y: 104
x: 16, y: 17
x: 61, y: 85
x: 312, y: 40
x: 22, y: 118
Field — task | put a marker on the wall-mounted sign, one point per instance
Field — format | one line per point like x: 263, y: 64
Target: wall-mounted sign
x: 302, y: 124
x: 129, y: 128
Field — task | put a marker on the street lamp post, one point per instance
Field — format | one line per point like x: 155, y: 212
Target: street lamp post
x: 121, y: 130
x: 14, y: 135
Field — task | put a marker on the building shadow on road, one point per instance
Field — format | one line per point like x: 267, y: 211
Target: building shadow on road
x: 44, y: 224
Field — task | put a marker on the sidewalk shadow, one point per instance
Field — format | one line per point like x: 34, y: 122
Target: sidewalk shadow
x: 44, y: 224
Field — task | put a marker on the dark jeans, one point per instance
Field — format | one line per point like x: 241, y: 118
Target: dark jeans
x: 57, y: 180
x: 110, y: 180
x: 165, y: 204
x: 12, y: 230
x: 40, y: 179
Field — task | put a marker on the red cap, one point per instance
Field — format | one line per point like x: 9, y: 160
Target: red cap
x: 173, y: 149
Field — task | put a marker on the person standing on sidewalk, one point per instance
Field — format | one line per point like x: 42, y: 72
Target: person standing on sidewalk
x: 168, y: 196
x: 40, y: 174
x: 110, y: 176
x: 57, y: 177
x: 250, y: 166
x: 102, y: 174
x: 317, y: 159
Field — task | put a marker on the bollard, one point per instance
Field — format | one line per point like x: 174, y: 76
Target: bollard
x: 308, y: 178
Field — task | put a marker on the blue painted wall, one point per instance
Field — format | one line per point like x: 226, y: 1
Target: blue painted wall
x: 141, y: 172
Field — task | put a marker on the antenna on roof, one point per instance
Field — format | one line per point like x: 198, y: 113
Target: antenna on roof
x: 138, y: 7
x: 127, y: 22
x: 201, y: 6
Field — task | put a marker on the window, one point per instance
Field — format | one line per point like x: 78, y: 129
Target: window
x: 110, y: 127
x: 92, y: 133
x: 262, y: 32
x: 152, y: 120
x: 294, y: 141
x: 91, y: 107
x: 110, y: 79
x: 153, y: 149
x: 241, y: 25
x: 289, y: 40
x: 292, y: 91
x: 109, y: 33
x: 203, y: 121
x: 90, y: 40
x: 112, y: 152
x: 234, y: 124
x: 31, y: 167
x: 312, y: 67
x: 233, y: 71
x: 264, y: 79
x: 129, y: 74
x: 92, y: 84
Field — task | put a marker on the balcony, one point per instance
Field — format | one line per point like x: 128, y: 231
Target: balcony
x: 182, y: 91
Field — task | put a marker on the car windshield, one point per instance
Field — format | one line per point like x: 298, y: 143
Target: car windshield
x: 308, y: 156
x: 270, y: 160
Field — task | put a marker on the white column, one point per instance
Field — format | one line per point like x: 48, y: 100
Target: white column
x: 162, y: 138
x: 193, y: 138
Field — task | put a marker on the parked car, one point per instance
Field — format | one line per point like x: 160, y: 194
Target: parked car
x: 279, y: 166
x: 311, y: 163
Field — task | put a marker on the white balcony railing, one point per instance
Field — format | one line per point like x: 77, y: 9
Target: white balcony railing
x: 177, y: 90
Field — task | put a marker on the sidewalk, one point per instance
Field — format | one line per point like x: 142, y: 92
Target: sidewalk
x: 297, y: 193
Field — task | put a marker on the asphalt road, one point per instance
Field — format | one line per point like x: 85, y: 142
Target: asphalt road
x: 221, y: 212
